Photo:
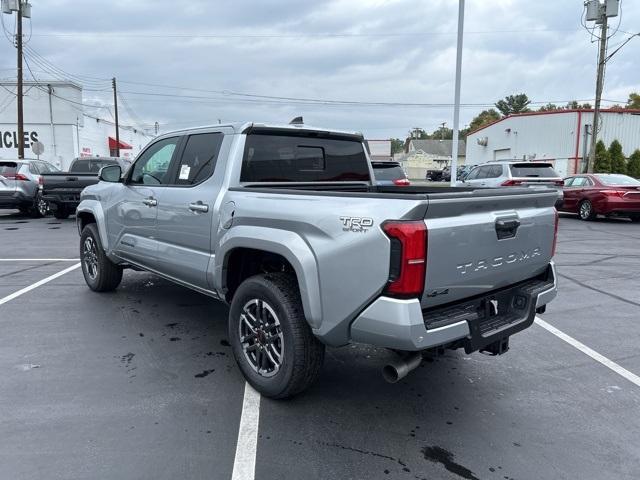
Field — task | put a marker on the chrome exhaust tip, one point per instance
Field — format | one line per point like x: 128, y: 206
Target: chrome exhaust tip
x: 396, y: 370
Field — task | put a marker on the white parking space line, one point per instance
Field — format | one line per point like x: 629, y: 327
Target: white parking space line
x: 14, y: 295
x: 39, y: 259
x: 632, y: 377
x: 244, y: 466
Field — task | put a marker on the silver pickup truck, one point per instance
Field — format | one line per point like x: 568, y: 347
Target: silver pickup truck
x: 286, y: 224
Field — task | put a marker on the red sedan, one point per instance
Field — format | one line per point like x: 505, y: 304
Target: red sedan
x: 607, y: 194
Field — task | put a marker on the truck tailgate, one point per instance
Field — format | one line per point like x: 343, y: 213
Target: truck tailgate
x: 67, y: 183
x: 486, y: 239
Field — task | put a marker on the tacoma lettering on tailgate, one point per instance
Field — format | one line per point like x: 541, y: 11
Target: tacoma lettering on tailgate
x: 497, y: 262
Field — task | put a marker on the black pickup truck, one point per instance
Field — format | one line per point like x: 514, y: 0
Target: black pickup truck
x: 62, y: 190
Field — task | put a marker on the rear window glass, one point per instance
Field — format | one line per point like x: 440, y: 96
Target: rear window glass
x: 388, y: 172
x: 8, y: 168
x: 533, y: 170
x: 90, y: 166
x: 617, y: 180
x: 283, y: 158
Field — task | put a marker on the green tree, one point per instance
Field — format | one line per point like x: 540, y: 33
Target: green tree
x: 634, y: 101
x: 618, y: 163
x: 574, y: 105
x: 484, y: 118
x: 633, y: 167
x: 513, y: 104
x: 397, y: 146
x: 603, y: 161
x: 549, y: 107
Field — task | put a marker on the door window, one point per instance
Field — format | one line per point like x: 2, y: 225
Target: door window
x: 568, y: 181
x: 578, y: 182
x: 495, y: 171
x: 152, y: 166
x: 199, y: 158
x: 473, y: 174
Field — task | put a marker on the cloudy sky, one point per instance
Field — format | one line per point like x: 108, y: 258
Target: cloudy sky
x: 228, y: 59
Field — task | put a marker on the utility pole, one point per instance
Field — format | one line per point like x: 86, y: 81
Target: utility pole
x: 600, y: 13
x: 20, y: 95
x: 23, y: 10
x: 456, y: 108
x: 115, y: 105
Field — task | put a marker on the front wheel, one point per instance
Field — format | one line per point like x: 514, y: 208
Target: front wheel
x: 585, y: 210
x: 100, y: 273
x: 271, y: 339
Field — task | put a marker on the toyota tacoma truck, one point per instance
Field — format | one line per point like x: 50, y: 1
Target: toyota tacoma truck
x: 285, y: 224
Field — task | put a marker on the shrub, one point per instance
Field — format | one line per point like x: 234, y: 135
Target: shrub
x: 603, y: 162
x: 633, y: 167
x: 616, y: 157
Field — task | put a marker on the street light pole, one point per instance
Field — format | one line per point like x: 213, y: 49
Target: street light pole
x: 456, y: 108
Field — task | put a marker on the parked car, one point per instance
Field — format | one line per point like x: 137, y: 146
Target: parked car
x: 515, y: 174
x: 62, y: 189
x: 285, y: 224
x: 19, y: 181
x: 607, y: 194
x: 434, y: 175
x: 389, y: 173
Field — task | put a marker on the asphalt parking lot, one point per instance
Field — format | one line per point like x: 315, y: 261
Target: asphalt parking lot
x: 140, y: 383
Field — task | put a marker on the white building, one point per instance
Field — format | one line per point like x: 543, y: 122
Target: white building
x: 380, y: 150
x: 54, y: 114
x: 561, y: 137
x: 423, y: 155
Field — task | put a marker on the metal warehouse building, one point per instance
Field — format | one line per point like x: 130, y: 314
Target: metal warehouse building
x: 56, y: 115
x: 561, y: 137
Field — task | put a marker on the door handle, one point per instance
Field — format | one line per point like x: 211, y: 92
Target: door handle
x: 150, y: 202
x: 199, y: 207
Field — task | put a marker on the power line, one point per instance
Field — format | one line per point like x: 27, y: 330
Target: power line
x: 292, y: 35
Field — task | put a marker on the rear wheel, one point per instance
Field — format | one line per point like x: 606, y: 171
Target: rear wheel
x: 585, y: 210
x: 271, y: 339
x: 61, y: 212
x: 100, y: 273
x: 40, y: 207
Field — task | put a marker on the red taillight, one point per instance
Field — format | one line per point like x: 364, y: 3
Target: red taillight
x: 555, y: 233
x: 559, y: 183
x: 403, y: 182
x: 21, y: 177
x: 408, y: 263
x: 511, y: 183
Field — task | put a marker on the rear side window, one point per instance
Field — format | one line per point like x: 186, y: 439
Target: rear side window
x: 533, y: 170
x: 8, y: 169
x: 90, y: 166
x: 390, y: 172
x: 283, y: 158
x: 45, y: 167
x: 199, y: 158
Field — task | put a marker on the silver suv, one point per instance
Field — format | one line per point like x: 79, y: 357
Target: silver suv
x: 19, y: 181
x: 514, y: 174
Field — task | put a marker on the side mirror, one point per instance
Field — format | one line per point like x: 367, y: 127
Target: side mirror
x: 111, y: 173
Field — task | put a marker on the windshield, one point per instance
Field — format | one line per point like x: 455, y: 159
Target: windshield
x: 533, y: 170
x: 388, y: 172
x: 618, y: 180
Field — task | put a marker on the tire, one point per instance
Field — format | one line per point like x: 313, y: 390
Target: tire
x: 40, y: 207
x: 100, y: 273
x: 585, y: 211
x: 301, y: 353
x: 61, y: 212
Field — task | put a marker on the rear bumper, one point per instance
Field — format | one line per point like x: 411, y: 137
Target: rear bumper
x: 70, y: 201
x: 619, y: 207
x: 403, y: 325
x: 15, y: 199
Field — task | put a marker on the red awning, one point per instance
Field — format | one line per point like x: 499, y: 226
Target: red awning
x: 123, y: 145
